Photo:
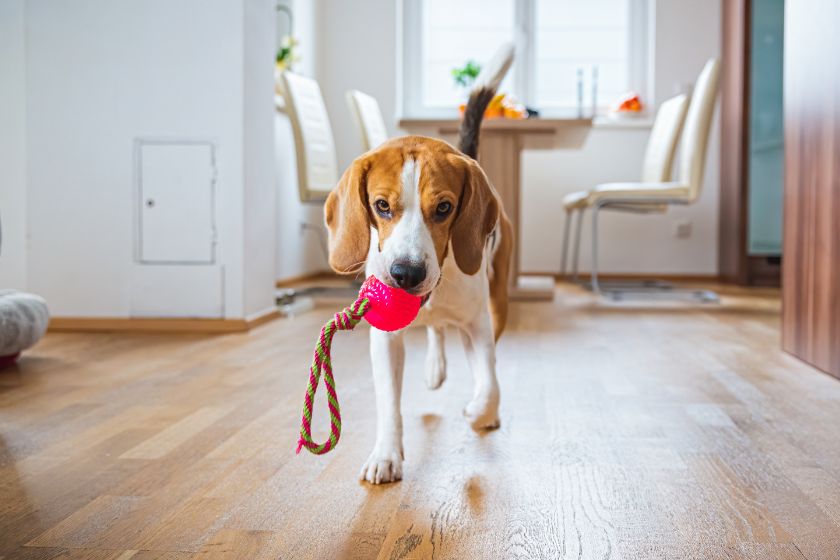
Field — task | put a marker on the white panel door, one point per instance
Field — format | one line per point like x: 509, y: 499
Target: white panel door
x: 176, y: 215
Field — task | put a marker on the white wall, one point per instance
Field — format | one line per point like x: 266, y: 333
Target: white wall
x: 299, y: 251
x: 260, y: 176
x: 687, y: 32
x: 101, y: 73
x: 12, y: 145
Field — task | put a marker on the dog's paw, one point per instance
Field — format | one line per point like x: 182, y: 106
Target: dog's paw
x: 382, y: 466
x: 435, y: 370
x: 483, y: 414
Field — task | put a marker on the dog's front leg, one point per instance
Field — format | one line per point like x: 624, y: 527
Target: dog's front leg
x: 482, y: 412
x: 387, y: 354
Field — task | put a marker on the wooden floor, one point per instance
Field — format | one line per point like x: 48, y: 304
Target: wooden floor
x: 628, y: 431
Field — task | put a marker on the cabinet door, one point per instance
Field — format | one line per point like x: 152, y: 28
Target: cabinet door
x: 811, y: 267
x: 176, y: 217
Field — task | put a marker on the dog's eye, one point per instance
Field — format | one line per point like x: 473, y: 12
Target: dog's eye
x: 443, y: 209
x: 382, y: 206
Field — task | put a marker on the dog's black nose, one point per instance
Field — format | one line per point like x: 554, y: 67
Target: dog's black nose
x: 408, y: 275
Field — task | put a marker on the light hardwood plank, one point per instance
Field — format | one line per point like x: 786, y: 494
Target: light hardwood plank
x: 176, y: 434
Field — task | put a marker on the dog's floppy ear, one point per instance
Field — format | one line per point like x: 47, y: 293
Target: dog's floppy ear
x: 478, y: 213
x: 348, y: 221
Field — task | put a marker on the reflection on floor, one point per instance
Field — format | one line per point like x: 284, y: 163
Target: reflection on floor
x: 628, y: 431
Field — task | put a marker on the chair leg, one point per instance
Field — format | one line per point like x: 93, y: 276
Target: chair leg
x: 596, y: 288
x: 563, y: 255
x: 576, y: 246
x: 654, y: 290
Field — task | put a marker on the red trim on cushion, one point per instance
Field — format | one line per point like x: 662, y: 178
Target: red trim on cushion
x: 6, y: 361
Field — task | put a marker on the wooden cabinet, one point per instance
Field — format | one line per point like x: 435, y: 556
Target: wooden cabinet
x: 811, y: 275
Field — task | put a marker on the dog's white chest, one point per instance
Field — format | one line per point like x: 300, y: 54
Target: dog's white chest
x: 457, y: 299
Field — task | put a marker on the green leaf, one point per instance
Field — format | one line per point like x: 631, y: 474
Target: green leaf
x: 467, y: 74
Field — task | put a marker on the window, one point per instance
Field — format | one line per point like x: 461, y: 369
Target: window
x: 556, y: 42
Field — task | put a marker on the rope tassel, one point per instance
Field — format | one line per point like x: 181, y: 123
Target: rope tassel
x: 345, y: 320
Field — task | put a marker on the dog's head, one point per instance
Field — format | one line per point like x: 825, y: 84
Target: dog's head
x: 405, y: 202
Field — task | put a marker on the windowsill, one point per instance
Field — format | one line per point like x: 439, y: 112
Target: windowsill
x: 608, y: 123
x: 545, y: 123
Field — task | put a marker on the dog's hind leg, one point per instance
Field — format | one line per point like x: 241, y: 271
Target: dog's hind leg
x: 482, y: 412
x: 435, y: 358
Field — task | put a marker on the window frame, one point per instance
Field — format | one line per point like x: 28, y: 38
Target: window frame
x: 410, y: 84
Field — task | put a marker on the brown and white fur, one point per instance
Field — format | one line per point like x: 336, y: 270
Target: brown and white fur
x: 421, y: 215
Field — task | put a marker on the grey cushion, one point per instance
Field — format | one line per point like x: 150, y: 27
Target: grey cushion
x: 23, y: 321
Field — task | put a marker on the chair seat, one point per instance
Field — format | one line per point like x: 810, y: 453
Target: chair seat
x: 672, y: 190
x: 575, y: 200
x: 626, y: 192
x: 623, y: 191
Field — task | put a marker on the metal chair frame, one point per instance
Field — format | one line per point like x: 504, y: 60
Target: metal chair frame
x: 618, y: 290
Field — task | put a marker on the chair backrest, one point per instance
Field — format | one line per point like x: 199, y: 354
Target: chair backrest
x: 368, y: 117
x: 698, y: 123
x: 664, y: 137
x: 317, y: 168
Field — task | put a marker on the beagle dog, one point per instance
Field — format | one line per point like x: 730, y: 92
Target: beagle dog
x: 421, y: 215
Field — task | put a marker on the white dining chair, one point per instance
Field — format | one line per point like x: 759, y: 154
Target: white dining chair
x: 369, y: 120
x: 317, y: 166
x: 656, y: 167
x: 646, y: 196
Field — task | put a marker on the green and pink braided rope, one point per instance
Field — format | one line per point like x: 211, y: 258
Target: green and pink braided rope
x: 345, y: 320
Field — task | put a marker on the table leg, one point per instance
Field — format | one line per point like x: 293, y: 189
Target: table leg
x: 500, y: 155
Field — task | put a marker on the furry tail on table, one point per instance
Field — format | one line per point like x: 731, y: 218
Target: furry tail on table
x: 481, y: 94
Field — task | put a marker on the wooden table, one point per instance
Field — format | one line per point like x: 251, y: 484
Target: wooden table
x: 500, y: 151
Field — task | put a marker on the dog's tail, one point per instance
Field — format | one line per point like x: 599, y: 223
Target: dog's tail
x: 482, y: 93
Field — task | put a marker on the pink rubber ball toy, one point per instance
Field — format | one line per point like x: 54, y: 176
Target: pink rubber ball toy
x: 391, y: 309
